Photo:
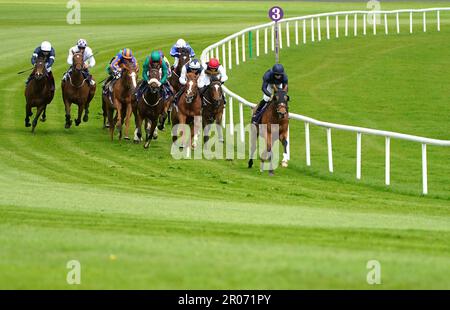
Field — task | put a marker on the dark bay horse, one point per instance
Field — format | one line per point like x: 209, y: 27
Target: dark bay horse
x: 38, y: 93
x: 189, y: 106
x: 276, y: 113
x: 174, y: 81
x: 150, y: 105
x: 120, y: 99
x: 212, y: 111
x: 77, y: 90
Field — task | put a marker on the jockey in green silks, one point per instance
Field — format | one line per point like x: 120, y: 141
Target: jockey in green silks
x: 156, y: 61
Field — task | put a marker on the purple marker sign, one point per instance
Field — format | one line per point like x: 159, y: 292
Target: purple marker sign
x: 276, y: 13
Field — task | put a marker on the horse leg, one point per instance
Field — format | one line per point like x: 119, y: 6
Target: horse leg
x: 118, y: 123
x: 67, y: 104
x: 80, y: 112
x: 44, y: 115
x: 110, y: 116
x: 86, y: 113
x: 28, y: 113
x: 182, y: 122
x: 137, y: 131
x: 36, y: 118
x: 284, y: 162
x: 269, y: 152
x: 253, y: 140
x: 151, y: 126
x: 129, y: 111
x: 219, y: 130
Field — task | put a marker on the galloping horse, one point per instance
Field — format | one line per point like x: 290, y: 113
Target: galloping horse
x: 174, y: 81
x: 276, y: 113
x: 189, y: 106
x: 38, y: 93
x: 77, y: 90
x: 120, y: 99
x: 150, y: 105
x: 212, y: 111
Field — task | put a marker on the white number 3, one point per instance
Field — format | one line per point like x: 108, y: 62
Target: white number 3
x: 276, y: 13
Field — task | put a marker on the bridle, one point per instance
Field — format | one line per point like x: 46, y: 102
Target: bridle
x: 78, y: 66
x: 217, y: 85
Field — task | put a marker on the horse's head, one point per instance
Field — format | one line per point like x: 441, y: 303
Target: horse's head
x: 129, y: 72
x: 191, y: 87
x: 281, y: 99
x: 77, y: 61
x: 39, y: 69
x: 154, y: 80
x: 215, y: 91
x: 185, y: 57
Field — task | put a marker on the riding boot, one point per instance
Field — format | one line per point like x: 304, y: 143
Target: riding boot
x: 177, y: 96
x: 258, y: 113
x: 224, y: 100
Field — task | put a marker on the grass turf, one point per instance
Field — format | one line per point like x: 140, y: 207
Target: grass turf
x: 72, y: 194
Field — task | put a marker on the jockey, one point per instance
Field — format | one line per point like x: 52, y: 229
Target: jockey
x: 155, y: 61
x: 273, y: 77
x: 175, y: 51
x: 114, y: 69
x: 164, y: 58
x: 47, y: 52
x: 88, y: 58
x: 213, y: 68
x: 193, y: 66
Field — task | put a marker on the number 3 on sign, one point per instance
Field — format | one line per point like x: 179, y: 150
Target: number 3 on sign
x: 276, y: 13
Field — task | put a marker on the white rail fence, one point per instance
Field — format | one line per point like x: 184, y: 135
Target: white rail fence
x: 224, y: 48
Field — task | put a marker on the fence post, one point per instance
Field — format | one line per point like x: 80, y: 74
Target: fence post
x: 257, y: 43
x: 243, y: 47
x: 288, y: 39
x: 374, y: 24
x: 328, y: 27
x: 319, y: 32
x: 230, y: 59
x: 296, y: 32
x: 358, y: 156
x: 355, y: 25
x: 224, y: 58
x: 288, y: 147
x: 230, y: 116
x: 241, y: 121
x: 250, y: 44
x: 312, y: 29
x: 346, y: 25
x: 330, y: 150
x: 388, y: 161
x: 337, y: 26
x: 307, y: 144
x: 237, y: 50
x: 424, y: 169
x: 273, y: 37
x: 364, y: 24
x: 397, y: 17
x: 424, y: 21
x: 280, y: 36
x: 411, y: 22
x: 304, y: 31
x: 386, y: 31
x: 438, y: 21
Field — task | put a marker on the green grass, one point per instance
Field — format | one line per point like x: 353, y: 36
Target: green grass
x: 72, y: 194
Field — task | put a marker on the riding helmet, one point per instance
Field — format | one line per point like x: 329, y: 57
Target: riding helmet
x: 46, y: 46
x: 278, y: 69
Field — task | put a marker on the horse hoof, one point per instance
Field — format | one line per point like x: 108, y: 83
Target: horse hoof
x: 284, y: 164
x: 250, y: 163
x: 137, y: 141
x: 146, y: 145
x: 85, y: 118
x: 77, y: 122
x: 43, y: 119
x: 160, y: 127
x: 271, y: 174
x: 126, y: 138
x: 27, y: 124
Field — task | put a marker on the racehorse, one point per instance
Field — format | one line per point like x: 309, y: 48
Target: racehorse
x: 38, y: 93
x: 120, y: 99
x: 78, y: 90
x: 150, y: 105
x: 276, y: 112
x: 174, y: 81
x: 212, y: 111
x: 189, y: 106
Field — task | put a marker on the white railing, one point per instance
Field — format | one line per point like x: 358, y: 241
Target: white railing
x: 368, y: 17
